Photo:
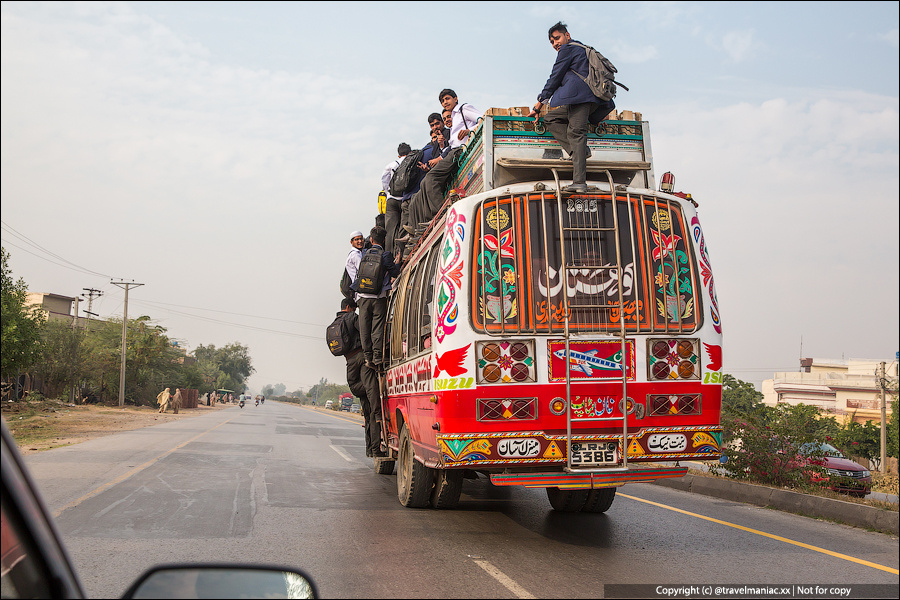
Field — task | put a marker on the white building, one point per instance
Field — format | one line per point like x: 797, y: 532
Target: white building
x: 845, y: 388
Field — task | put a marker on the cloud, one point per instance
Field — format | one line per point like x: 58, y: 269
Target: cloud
x: 626, y: 53
x: 739, y: 45
x: 892, y: 37
x: 798, y: 199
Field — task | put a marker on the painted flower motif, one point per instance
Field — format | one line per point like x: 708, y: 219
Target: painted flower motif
x: 662, y: 279
x: 504, y: 245
x: 505, y: 361
x: 666, y: 244
x: 509, y: 277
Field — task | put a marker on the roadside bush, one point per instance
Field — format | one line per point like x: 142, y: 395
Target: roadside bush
x: 771, y: 445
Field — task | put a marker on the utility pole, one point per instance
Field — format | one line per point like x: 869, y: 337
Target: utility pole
x: 125, y: 286
x: 91, y: 294
x: 75, y: 320
x: 881, y: 384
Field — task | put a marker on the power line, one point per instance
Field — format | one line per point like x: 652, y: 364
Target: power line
x: 24, y: 238
x: 241, y: 325
x: 224, y: 312
x: 162, y: 306
x: 78, y: 270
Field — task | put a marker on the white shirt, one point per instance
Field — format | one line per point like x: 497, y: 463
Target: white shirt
x: 388, y: 174
x: 352, y: 265
x: 465, y: 116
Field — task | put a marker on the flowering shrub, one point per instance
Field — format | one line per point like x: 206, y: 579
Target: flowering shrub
x: 775, y: 446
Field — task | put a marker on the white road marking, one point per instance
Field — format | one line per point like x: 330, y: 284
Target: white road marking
x: 497, y: 574
x: 343, y: 454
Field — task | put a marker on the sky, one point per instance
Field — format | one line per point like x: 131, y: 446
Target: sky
x: 220, y: 154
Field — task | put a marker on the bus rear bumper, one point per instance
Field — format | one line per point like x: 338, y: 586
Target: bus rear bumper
x: 588, y: 480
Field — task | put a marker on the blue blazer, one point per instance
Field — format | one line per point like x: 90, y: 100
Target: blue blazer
x: 565, y: 87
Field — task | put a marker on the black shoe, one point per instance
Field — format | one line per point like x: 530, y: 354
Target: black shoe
x: 577, y: 188
x: 553, y: 154
x: 379, y: 453
x: 368, y: 453
x: 408, y: 229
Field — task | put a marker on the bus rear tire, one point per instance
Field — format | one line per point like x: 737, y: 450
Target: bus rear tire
x: 447, y: 488
x: 384, y: 466
x: 414, y: 480
x: 599, y: 500
x: 567, y: 500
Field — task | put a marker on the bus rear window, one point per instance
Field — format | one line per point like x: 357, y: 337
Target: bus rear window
x: 519, y: 284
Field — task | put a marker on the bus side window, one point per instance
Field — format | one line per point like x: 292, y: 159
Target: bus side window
x: 412, y: 309
x: 397, y: 316
x: 430, y: 276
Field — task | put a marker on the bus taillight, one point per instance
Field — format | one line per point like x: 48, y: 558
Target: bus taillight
x: 676, y: 358
x: 506, y: 361
x: 506, y: 409
x: 667, y: 184
x: 675, y: 404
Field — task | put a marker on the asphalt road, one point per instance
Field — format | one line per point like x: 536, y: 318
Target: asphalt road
x: 288, y: 485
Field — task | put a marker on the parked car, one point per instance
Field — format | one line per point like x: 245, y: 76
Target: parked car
x: 840, y: 473
x: 35, y: 563
x: 329, y: 404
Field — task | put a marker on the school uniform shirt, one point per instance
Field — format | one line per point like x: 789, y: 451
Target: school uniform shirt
x: 388, y: 174
x: 465, y: 116
x: 352, y: 266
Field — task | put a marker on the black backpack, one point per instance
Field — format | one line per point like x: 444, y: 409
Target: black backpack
x: 407, y: 174
x: 370, y: 275
x: 338, y: 337
x: 346, y: 282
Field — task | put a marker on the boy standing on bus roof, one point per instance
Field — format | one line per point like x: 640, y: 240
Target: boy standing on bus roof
x: 572, y: 103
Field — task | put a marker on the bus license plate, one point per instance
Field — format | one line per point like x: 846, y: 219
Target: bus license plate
x: 594, y: 453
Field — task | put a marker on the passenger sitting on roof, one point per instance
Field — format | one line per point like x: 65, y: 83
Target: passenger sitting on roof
x: 428, y: 201
x: 432, y: 153
x: 436, y: 122
x: 464, y: 117
x: 447, y: 115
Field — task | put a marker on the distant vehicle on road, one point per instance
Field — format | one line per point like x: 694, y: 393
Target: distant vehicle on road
x: 355, y: 408
x: 841, y: 474
x: 346, y: 401
x: 328, y: 404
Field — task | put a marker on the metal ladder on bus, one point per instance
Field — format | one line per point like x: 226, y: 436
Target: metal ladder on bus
x: 586, y: 232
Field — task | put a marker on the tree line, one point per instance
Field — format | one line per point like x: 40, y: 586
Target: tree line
x: 318, y: 393
x: 61, y: 360
x: 757, y: 436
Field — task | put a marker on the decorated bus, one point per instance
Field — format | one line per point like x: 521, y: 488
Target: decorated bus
x: 544, y: 339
